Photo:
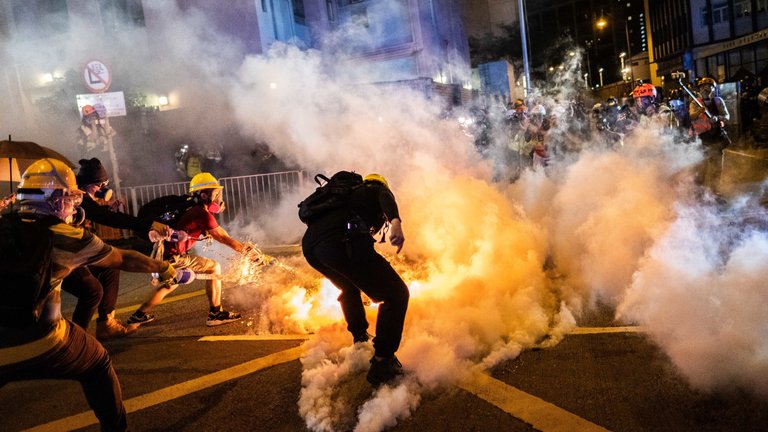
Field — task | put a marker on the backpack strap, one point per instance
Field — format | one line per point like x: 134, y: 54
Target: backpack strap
x: 318, y: 177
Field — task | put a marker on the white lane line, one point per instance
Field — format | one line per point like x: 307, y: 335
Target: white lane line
x: 166, y: 394
x: 263, y: 337
x: 540, y: 414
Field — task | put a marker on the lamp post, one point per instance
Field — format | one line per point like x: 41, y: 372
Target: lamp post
x: 601, y: 23
x: 589, y: 66
x: 586, y: 81
x: 524, y: 39
x: 623, y: 69
x: 629, y: 50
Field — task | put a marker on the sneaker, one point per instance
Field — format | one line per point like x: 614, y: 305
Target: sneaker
x: 221, y: 317
x: 138, y: 318
x: 384, y: 370
x: 111, y: 328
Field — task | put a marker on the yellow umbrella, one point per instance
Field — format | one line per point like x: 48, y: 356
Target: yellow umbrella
x: 13, y: 153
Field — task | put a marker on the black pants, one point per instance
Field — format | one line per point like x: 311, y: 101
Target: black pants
x: 354, y: 266
x: 82, y: 358
x: 95, y: 288
x: 709, y: 171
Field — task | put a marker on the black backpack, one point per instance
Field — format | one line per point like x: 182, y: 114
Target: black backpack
x: 25, y: 266
x: 166, y: 209
x: 333, y: 194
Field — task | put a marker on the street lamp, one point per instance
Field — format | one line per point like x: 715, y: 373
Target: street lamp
x: 600, y: 71
x: 601, y: 23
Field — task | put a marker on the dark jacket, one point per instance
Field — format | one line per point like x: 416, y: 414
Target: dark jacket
x: 103, y: 215
x: 371, y: 205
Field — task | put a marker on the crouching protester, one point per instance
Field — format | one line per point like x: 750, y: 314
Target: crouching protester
x: 97, y: 288
x: 199, y: 223
x: 339, y: 244
x: 35, y: 341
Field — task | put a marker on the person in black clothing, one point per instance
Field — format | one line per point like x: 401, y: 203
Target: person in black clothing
x: 94, y: 287
x: 51, y: 347
x: 710, y: 131
x: 340, y: 245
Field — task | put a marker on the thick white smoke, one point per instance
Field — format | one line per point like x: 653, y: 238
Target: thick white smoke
x: 494, y: 268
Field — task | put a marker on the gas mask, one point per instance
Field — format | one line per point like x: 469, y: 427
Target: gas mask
x: 104, y: 193
x: 67, y: 208
x: 78, y: 217
x: 216, y: 207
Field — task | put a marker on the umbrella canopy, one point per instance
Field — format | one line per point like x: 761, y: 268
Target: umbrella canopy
x: 29, y: 150
x: 16, y: 156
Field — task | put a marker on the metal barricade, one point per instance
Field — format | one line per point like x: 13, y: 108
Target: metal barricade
x: 245, y: 196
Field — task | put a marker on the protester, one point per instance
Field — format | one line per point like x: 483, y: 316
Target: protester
x: 340, y: 245
x: 93, y: 286
x: 710, y: 129
x: 198, y: 221
x: 536, y: 133
x: 646, y: 100
x: 94, y: 130
x: 52, y: 347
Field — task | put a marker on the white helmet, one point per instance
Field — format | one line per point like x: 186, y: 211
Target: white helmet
x: 539, y: 109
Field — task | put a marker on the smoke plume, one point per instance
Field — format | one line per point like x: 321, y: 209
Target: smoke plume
x: 494, y: 266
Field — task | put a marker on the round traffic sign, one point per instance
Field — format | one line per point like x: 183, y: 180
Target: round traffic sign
x: 97, y: 76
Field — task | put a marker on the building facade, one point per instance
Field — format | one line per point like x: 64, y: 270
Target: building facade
x: 482, y: 17
x: 724, y: 39
x: 604, y: 29
x: 393, y: 39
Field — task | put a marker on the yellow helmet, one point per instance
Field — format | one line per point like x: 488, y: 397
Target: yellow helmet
x: 707, y: 81
x: 45, y: 188
x: 377, y: 178
x: 202, y: 181
x: 50, y: 174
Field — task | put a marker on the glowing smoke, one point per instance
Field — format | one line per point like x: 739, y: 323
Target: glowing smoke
x: 494, y: 269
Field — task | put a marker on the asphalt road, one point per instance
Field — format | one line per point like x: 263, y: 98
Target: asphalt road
x: 602, y: 377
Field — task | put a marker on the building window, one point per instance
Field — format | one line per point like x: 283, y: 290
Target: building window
x: 719, y: 14
x: 330, y: 10
x: 742, y: 8
x: 118, y: 15
x: 299, y: 16
x: 762, y: 5
x: 41, y: 18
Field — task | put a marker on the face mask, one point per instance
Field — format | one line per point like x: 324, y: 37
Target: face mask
x: 68, y: 209
x: 104, y: 193
x: 74, y: 217
x: 78, y: 217
x: 216, y: 207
